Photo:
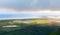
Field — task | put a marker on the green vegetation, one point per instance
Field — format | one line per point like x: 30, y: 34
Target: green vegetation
x: 27, y: 29
x: 10, y: 22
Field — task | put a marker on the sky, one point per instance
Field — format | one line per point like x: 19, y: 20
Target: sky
x: 13, y: 14
x: 21, y: 9
x: 31, y: 4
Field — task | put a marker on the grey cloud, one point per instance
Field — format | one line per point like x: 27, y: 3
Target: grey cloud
x: 30, y: 4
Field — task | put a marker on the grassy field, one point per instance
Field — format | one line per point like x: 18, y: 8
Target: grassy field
x: 28, y: 29
x: 34, y: 30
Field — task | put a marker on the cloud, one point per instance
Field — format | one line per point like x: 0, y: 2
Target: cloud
x: 33, y: 3
x: 22, y: 4
x: 12, y: 14
x: 29, y: 4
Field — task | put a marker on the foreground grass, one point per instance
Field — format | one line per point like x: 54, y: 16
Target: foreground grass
x: 28, y: 29
x: 35, y: 30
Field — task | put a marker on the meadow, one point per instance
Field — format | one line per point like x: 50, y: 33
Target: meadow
x: 33, y: 28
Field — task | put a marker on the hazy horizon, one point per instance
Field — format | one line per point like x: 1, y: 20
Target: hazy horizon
x: 13, y: 14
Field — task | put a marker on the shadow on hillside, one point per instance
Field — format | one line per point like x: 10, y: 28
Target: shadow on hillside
x: 35, y: 30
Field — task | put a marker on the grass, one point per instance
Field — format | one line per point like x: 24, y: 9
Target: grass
x: 35, y: 30
x: 28, y: 29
